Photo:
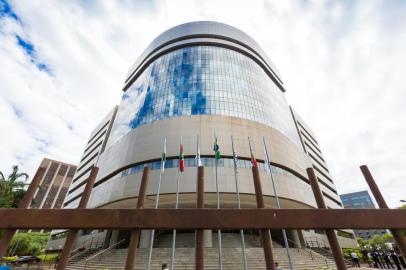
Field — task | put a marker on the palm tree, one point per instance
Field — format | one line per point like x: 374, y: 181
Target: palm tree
x: 12, y: 188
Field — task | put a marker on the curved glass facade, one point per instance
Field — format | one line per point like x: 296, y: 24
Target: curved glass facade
x: 203, y: 80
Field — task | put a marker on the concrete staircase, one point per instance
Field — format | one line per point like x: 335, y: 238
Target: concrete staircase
x: 114, y: 259
x: 86, y: 253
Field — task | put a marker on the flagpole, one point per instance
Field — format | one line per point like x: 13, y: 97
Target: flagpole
x: 151, y: 239
x: 176, y: 207
x: 218, y: 203
x: 285, y: 238
x: 238, y: 202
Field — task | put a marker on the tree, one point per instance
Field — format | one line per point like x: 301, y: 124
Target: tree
x: 28, y: 243
x: 377, y: 242
x: 12, y: 188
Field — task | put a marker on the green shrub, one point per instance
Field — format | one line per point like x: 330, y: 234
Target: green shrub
x: 28, y: 243
x: 48, y: 257
x: 347, y: 253
x: 9, y: 259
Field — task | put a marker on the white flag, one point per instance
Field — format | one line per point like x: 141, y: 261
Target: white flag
x: 266, y: 161
x: 163, y: 160
x: 198, y: 159
x: 235, y: 156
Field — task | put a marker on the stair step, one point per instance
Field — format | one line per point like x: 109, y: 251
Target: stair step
x: 184, y: 260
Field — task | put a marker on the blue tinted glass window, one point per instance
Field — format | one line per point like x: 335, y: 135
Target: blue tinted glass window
x: 203, y: 80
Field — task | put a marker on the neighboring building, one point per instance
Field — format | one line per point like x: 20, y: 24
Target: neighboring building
x: 54, y: 184
x: 361, y: 199
x: 202, y: 78
x: 312, y: 148
x: 94, y: 147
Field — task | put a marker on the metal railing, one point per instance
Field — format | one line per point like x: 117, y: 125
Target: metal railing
x: 102, y: 252
x: 85, y: 246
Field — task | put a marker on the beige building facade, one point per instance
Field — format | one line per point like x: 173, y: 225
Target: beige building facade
x: 205, y: 80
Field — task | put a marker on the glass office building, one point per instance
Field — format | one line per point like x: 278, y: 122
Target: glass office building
x: 361, y: 199
x: 203, y: 79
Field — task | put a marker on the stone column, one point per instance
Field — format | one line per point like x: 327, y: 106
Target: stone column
x: 208, y: 238
x: 296, y: 238
x: 144, y: 238
x: 114, y: 237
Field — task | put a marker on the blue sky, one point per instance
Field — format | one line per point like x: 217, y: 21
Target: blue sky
x: 63, y: 64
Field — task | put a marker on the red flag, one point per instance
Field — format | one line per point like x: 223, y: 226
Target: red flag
x: 181, y: 159
x: 253, y: 161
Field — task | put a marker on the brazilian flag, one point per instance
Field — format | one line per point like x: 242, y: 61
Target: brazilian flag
x: 216, y: 149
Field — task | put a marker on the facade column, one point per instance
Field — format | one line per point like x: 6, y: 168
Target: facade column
x: 296, y: 238
x: 208, y: 238
x: 144, y: 238
x: 114, y: 237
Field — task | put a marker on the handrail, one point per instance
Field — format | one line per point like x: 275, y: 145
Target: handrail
x: 77, y: 254
x: 82, y: 246
x: 104, y: 250
x: 308, y: 251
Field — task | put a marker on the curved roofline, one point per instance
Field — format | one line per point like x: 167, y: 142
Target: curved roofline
x: 203, y: 33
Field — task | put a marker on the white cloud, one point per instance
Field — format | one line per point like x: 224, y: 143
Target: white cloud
x: 342, y: 63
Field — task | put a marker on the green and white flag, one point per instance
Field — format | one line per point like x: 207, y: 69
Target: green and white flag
x: 216, y: 149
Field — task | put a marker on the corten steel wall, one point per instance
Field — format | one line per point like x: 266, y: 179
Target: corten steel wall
x: 326, y: 219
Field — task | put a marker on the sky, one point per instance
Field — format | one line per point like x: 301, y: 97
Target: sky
x: 343, y: 63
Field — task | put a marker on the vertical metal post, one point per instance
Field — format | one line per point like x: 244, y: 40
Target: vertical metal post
x: 397, y: 235
x: 70, y: 239
x: 24, y: 203
x: 220, y: 249
x: 176, y: 207
x: 199, y: 256
x: 265, y: 234
x: 275, y: 191
x: 331, y: 236
x: 135, y: 233
x: 237, y: 191
x: 158, y: 191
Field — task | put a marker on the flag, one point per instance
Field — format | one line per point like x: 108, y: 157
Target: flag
x: 216, y: 149
x: 266, y: 161
x: 181, y: 159
x: 163, y: 159
x: 198, y: 159
x: 235, y: 156
x: 253, y: 161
